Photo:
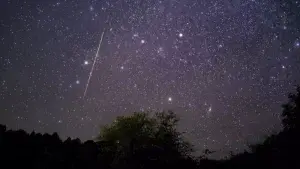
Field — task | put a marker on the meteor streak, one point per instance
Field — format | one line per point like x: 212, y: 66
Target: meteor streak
x: 92, y: 69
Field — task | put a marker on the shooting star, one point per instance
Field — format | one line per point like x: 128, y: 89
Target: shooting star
x: 92, y: 69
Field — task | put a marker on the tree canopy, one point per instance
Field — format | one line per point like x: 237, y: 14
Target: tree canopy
x: 291, y: 111
x: 142, y: 137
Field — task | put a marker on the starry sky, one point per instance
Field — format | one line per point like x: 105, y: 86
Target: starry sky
x: 223, y: 66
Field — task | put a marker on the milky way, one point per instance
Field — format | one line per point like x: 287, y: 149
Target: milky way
x: 224, y: 66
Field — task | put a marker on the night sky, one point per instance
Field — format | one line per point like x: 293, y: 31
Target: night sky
x: 223, y: 66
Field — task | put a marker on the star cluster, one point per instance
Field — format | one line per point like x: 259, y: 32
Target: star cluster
x: 224, y: 66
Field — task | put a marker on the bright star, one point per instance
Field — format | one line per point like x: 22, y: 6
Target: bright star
x: 77, y: 81
x: 170, y: 99
x: 86, y: 62
x: 91, y: 8
x: 180, y: 35
x: 142, y: 41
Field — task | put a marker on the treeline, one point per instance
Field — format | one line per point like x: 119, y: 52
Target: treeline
x: 137, y: 141
x: 146, y: 140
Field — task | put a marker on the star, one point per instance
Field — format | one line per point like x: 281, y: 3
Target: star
x: 160, y: 50
x: 86, y: 62
x: 77, y: 82
x: 135, y: 35
x: 284, y: 27
x: 142, y: 41
x: 180, y: 35
x: 91, y: 8
x: 169, y: 99
x: 208, y: 113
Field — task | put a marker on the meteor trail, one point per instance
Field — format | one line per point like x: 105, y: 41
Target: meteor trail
x: 92, y: 69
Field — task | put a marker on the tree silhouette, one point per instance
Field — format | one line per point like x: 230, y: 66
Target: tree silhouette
x: 144, y: 139
x: 291, y: 111
x: 278, y: 150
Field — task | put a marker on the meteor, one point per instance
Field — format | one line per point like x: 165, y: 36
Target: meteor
x: 92, y: 69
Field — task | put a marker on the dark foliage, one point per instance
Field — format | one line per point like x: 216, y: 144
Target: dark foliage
x: 141, y: 141
x: 136, y: 141
x: 277, y: 151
